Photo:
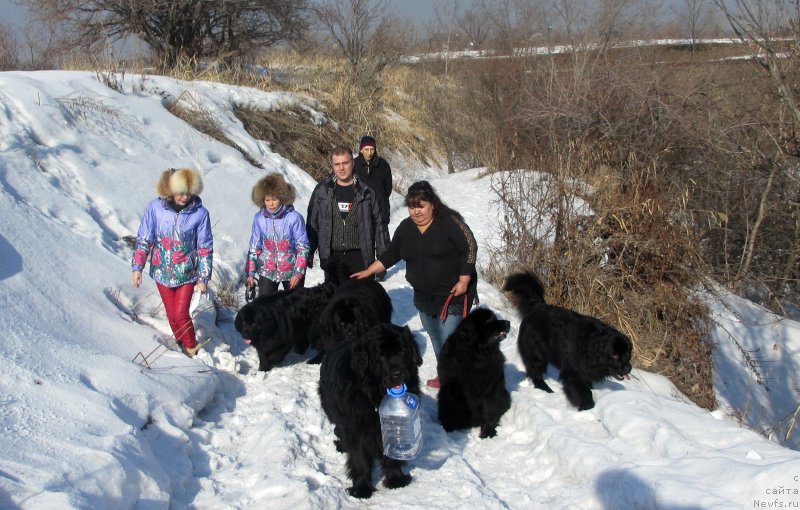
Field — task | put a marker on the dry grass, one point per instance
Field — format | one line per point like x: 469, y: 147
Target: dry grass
x: 201, y: 119
x: 226, y: 296
x: 292, y: 135
x: 384, y: 106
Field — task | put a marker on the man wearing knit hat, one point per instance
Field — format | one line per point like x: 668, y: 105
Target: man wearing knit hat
x: 374, y: 171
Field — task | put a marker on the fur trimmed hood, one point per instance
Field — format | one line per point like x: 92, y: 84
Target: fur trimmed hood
x: 273, y: 184
x: 179, y: 180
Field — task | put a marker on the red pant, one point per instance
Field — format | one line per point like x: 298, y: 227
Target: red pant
x: 176, y: 303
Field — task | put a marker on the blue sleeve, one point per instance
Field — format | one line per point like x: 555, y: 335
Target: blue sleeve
x: 205, y: 247
x: 252, y: 251
x: 145, y: 238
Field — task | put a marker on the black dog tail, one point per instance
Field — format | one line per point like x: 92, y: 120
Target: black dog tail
x: 526, y: 288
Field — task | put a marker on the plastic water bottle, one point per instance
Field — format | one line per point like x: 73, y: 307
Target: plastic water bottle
x: 400, y: 424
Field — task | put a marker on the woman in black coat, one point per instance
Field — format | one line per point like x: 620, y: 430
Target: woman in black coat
x: 440, y: 253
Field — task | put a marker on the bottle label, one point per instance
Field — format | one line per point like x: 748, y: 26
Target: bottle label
x: 412, y: 401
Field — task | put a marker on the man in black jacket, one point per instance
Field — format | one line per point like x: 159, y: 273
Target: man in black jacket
x: 375, y: 172
x: 344, y: 218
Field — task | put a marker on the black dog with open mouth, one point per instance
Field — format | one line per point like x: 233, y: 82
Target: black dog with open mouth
x: 585, y: 349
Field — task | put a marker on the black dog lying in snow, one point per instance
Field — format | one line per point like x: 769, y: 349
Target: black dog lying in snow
x: 353, y: 381
x: 355, y: 307
x: 583, y: 348
x: 473, y: 391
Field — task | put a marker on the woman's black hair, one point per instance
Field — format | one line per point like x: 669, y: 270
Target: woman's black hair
x: 423, y: 191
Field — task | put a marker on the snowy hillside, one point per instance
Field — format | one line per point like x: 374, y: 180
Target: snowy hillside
x: 83, y: 426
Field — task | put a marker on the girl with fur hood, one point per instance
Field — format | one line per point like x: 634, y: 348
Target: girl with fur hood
x: 175, y: 233
x: 278, y: 242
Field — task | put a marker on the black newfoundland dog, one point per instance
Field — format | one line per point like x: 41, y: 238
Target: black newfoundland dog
x: 583, y: 348
x: 354, y: 377
x: 277, y: 323
x: 473, y: 391
x: 356, y: 306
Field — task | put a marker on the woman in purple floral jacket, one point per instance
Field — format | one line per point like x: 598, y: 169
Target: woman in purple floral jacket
x: 175, y: 233
x: 278, y: 241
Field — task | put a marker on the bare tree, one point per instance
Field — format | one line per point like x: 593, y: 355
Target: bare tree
x: 43, y: 46
x: 474, y: 26
x: 9, y: 49
x: 443, y: 32
x: 172, y: 28
x: 362, y: 31
x: 625, y: 20
x: 513, y: 22
x: 694, y: 18
x: 770, y: 28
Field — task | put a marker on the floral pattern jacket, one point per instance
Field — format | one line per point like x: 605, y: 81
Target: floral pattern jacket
x: 278, y: 245
x: 180, y: 245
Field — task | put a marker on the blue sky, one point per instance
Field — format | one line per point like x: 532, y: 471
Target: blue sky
x: 11, y: 13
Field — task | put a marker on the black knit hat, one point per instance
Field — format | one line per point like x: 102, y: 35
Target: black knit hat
x: 367, y: 141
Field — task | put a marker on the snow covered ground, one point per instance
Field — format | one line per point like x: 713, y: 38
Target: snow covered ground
x: 83, y: 426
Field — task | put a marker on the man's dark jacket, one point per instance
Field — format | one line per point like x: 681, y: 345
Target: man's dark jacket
x: 373, y: 234
x: 377, y: 174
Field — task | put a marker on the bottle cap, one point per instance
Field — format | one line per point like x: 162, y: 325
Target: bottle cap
x: 397, y: 391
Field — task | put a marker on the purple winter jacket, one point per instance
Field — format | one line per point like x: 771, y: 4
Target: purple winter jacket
x: 180, y: 245
x: 278, y: 245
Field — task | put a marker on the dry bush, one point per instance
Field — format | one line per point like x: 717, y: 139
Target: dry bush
x: 745, y: 185
x: 191, y: 111
x: 219, y: 71
x: 92, y: 107
x: 407, y: 112
x: 616, y: 249
x: 386, y: 106
x: 654, y: 263
x: 293, y: 135
x: 226, y: 297
x: 444, y: 109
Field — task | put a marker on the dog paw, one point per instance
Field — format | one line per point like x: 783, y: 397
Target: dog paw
x: 539, y: 383
x: 487, y: 431
x: 339, y: 448
x: 396, y: 482
x: 361, y: 492
x: 585, y: 406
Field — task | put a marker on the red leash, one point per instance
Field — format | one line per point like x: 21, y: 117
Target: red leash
x: 443, y: 313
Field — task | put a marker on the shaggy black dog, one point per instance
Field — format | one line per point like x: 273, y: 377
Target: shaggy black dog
x: 583, y: 348
x: 354, y: 377
x: 473, y: 391
x: 276, y: 323
x: 356, y: 306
